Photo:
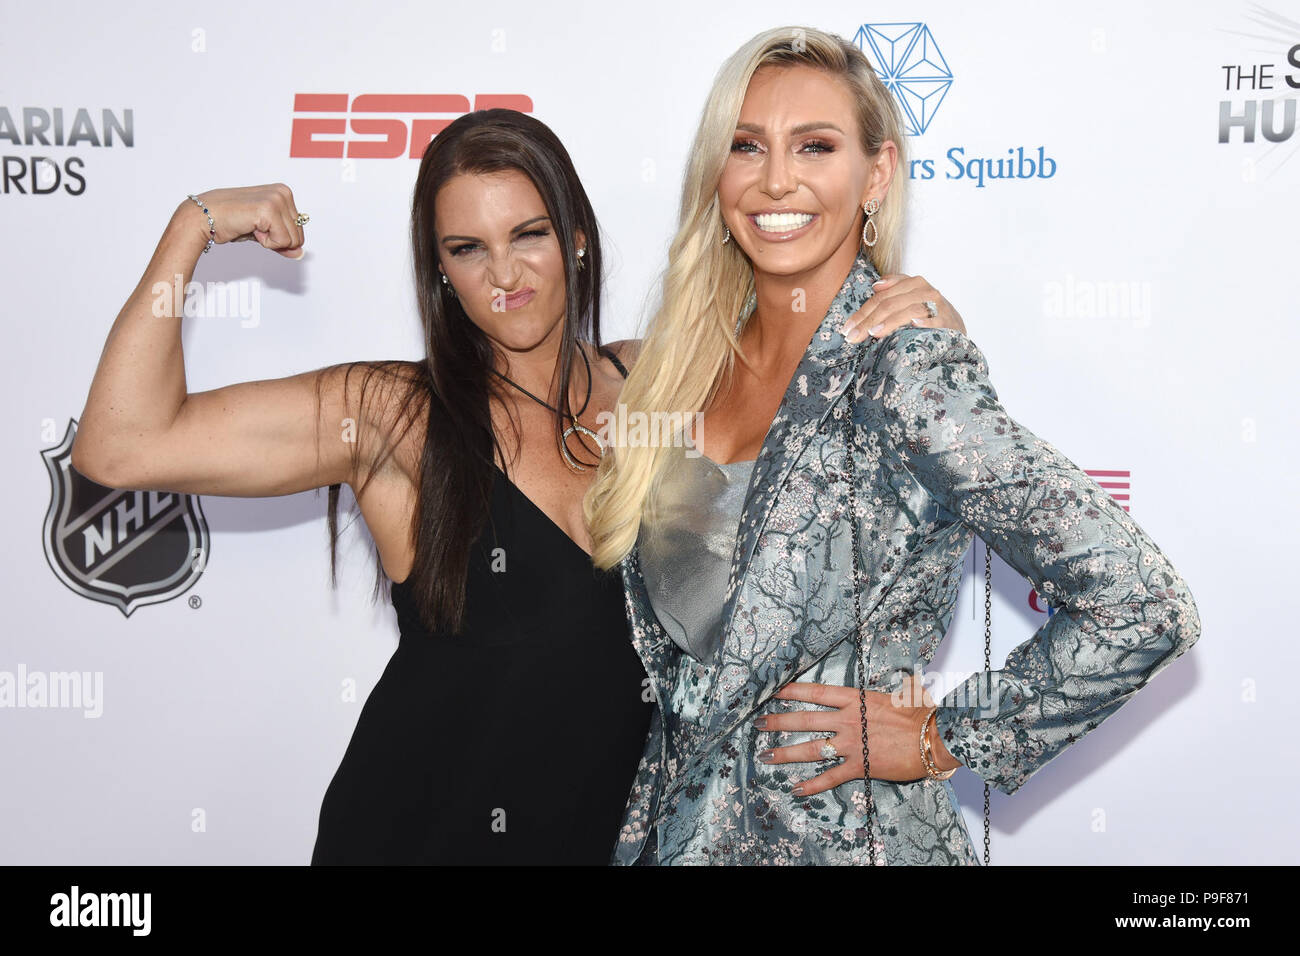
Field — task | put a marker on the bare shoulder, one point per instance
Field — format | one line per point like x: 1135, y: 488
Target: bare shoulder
x: 382, y: 407
x: 389, y: 404
x: 627, y: 350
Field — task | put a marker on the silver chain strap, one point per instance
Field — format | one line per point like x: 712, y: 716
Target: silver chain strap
x: 850, y: 457
x: 988, y: 668
x: 857, y: 631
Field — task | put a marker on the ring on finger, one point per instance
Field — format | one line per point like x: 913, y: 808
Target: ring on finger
x: 829, y: 752
x: 302, y: 219
x: 931, y: 308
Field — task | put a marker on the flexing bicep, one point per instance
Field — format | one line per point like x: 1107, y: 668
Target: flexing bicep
x: 253, y: 439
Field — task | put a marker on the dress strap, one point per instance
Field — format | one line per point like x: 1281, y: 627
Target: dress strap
x: 614, y: 358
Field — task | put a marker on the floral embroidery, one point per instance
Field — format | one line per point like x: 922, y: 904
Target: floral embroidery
x: 937, y: 461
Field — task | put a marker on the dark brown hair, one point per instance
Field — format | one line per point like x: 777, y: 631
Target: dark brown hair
x: 453, y: 381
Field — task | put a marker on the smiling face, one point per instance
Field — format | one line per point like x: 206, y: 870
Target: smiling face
x: 499, y: 251
x: 796, y: 178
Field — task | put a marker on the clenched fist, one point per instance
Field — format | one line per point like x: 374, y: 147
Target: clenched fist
x: 266, y: 214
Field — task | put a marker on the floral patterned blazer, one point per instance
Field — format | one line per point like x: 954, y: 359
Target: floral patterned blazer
x: 937, y: 459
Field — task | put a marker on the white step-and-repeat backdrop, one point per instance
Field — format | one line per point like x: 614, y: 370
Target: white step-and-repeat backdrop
x: 1107, y: 191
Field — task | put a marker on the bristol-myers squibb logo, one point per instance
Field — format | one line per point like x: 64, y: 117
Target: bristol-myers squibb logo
x: 912, y: 67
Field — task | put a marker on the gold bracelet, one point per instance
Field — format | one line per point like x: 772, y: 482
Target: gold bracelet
x: 930, y: 768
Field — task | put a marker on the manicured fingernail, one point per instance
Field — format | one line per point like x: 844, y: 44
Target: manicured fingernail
x: 797, y: 791
x: 917, y: 321
x: 767, y: 756
x: 853, y: 334
x: 761, y: 723
x: 879, y: 282
x: 877, y: 328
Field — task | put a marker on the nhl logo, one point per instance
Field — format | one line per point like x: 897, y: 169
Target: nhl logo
x: 125, y: 548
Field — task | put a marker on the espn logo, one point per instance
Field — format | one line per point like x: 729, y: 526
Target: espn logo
x: 407, y: 122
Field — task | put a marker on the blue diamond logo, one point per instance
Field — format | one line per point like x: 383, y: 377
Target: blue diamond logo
x: 911, y: 67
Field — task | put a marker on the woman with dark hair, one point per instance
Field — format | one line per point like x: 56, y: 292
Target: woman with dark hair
x: 469, y: 469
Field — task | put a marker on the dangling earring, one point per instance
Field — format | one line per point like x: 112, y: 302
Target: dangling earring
x: 870, y: 207
x: 450, y: 288
x: 581, y: 252
x: 726, y: 235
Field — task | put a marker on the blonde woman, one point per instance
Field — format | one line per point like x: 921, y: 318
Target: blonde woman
x: 841, y: 481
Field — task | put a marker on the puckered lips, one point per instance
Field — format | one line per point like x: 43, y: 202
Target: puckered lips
x: 516, y: 300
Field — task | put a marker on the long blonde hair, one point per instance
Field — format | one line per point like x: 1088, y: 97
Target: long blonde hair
x: 691, y: 342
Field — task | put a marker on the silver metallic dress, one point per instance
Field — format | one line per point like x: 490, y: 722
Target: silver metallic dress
x: 687, y: 545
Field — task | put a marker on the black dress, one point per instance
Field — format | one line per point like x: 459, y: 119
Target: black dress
x: 514, y: 742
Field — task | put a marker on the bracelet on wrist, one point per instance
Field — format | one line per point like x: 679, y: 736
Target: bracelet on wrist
x: 212, y: 226
x: 927, y: 758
